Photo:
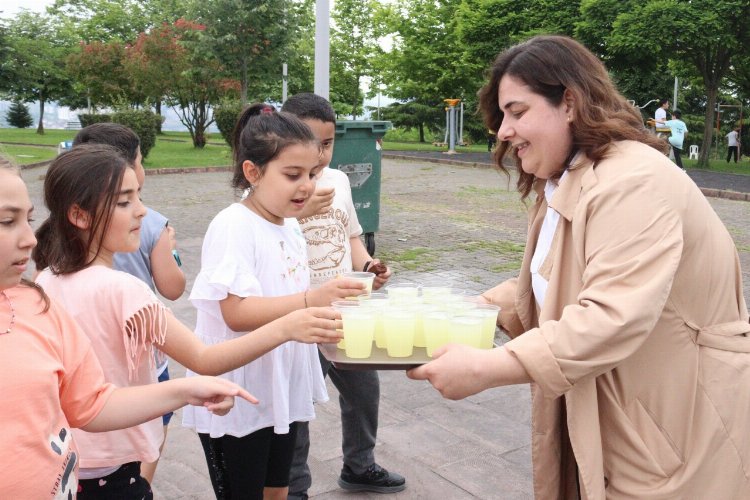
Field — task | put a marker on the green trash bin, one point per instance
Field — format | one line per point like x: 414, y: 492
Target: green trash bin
x: 357, y: 154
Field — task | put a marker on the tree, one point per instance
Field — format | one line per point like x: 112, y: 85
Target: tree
x: 706, y: 36
x: 414, y: 115
x: 247, y: 35
x: 99, y: 70
x: 198, y: 81
x: 36, y: 71
x: 18, y: 115
x: 354, y: 33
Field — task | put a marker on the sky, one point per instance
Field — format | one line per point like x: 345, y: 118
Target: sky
x: 11, y: 7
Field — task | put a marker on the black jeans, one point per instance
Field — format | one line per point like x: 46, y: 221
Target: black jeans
x: 677, y: 158
x: 732, y: 151
x: 125, y: 483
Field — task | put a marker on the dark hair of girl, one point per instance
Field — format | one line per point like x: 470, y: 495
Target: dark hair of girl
x: 88, y: 177
x: 261, y: 134
x: 550, y: 65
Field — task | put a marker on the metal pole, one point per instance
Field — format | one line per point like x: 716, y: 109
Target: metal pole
x: 283, y: 83
x: 378, y: 102
x: 322, y: 48
x: 447, y: 124
x: 461, y: 126
x: 452, y: 121
x: 674, y: 97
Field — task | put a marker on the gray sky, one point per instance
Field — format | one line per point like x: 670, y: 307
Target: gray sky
x: 11, y: 7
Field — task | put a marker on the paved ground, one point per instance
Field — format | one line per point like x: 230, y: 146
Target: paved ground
x: 439, y: 224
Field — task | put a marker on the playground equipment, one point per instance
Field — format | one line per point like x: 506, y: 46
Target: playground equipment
x: 451, y: 128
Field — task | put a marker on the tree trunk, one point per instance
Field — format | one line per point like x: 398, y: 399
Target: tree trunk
x: 421, y: 132
x: 711, y: 93
x: 158, y: 112
x: 40, y: 127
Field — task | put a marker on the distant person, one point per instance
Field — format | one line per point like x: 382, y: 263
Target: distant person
x: 733, y: 144
x: 491, y: 140
x: 660, y: 116
x: 678, y: 131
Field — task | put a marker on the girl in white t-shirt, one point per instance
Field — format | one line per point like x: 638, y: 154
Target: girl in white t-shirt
x: 254, y: 270
x: 95, y: 211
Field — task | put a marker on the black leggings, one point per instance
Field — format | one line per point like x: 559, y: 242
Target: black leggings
x: 240, y: 467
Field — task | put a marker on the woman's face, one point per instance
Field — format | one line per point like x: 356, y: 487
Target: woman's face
x: 538, y: 132
x: 16, y: 236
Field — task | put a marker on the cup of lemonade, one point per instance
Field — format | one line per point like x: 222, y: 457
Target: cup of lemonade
x: 466, y: 329
x: 341, y: 306
x: 399, y: 324
x: 359, y: 330
x: 364, y: 278
x: 436, y: 325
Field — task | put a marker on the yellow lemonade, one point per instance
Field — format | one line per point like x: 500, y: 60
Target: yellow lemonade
x: 436, y: 330
x: 377, y: 305
x: 359, y: 328
x: 364, y: 278
x: 488, y: 313
x: 419, y: 332
x: 466, y: 330
x: 341, y: 306
x: 399, y: 327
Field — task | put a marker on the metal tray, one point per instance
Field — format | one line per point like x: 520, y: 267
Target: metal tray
x: 378, y: 360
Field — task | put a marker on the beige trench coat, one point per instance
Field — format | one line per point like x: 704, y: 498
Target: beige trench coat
x: 641, y: 354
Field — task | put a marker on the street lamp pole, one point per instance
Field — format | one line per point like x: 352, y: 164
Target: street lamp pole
x: 322, y: 48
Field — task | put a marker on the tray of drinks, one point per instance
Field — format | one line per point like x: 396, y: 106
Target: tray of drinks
x: 378, y: 359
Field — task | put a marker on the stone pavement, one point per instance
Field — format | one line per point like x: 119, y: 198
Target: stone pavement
x: 439, y: 223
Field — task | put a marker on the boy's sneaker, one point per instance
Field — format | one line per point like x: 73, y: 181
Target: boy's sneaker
x: 375, y: 479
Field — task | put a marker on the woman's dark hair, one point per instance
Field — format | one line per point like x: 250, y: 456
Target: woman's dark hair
x: 261, y: 134
x: 550, y: 65
x: 120, y: 137
x: 6, y: 164
x: 88, y: 177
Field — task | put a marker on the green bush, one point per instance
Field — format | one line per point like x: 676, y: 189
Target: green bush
x: 143, y: 122
x: 87, y: 119
x: 226, y: 115
x: 18, y: 115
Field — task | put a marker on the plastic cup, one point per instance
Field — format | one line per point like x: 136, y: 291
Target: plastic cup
x: 466, y: 330
x: 403, y: 293
x: 433, y: 294
x: 341, y: 306
x: 364, y: 278
x: 419, y: 332
x: 488, y: 313
x: 436, y: 330
x: 377, y: 303
x: 399, y: 324
x: 359, y: 330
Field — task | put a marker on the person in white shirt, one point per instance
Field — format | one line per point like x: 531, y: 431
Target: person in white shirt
x: 733, y: 144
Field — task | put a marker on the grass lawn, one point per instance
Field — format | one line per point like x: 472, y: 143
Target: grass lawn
x: 172, y: 149
x: 427, y: 146
x: 24, y: 155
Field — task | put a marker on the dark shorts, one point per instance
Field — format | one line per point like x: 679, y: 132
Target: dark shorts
x: 125, y: 483
x: 163, y: 378
x: 241, y: 467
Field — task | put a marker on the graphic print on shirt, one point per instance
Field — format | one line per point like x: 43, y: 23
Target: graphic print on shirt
x: 326, y: 238
x: 296, y: 269
x: 66, y: 483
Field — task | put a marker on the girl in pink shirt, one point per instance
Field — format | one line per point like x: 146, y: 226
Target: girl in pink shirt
x: 95, y: 211
x: 50, y: 377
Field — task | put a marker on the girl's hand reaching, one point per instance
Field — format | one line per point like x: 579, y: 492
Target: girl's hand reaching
x: 313, y: 325
x: 215, y: 394
x: 335, y: 289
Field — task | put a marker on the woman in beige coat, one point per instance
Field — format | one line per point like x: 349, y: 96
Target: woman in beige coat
x: 628, y: 316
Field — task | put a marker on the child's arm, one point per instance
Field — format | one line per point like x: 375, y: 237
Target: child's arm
x: 129, y: 406
x: 360, y: 257
x: 313, y: 325
x: 168, y: 277
x: 248, y: 313
x: 319, y: 203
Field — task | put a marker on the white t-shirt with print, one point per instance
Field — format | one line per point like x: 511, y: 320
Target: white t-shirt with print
x: 329, y: 251
x: 246, y: 255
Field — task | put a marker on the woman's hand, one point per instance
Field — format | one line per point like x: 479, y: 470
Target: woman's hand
x: 313, y: 325
x: 215, y: 394
x: 458, y: 371
x: 335, y: 289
